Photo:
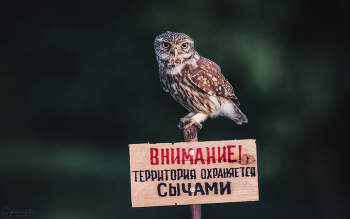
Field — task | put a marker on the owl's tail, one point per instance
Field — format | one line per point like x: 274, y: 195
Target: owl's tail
x: 230, y: 110
x: 239, y: 117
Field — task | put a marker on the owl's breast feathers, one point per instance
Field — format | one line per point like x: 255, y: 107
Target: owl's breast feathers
x: 194, y: 85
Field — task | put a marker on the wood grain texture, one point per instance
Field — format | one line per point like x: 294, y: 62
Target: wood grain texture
x: 191, y: 135
x: 243, y: 182
x: 195, y: 211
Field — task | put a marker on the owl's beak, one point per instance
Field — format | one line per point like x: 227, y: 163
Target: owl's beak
x: 174, y: 52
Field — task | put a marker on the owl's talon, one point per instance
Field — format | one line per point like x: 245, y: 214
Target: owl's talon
x: 183, y: 123
x: 180, y: 126
x: 187, y: 122
x: 198, y: 125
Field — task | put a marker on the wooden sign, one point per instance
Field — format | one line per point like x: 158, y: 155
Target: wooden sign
x: 193, y: 173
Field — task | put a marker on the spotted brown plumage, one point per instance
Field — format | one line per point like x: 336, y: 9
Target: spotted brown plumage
x: 194, y: 81
x: 207, y: 76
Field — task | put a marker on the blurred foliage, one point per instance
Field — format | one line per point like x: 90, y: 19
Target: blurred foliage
x: 79, y: 82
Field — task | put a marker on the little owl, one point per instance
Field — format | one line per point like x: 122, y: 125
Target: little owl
x: 194, y: 81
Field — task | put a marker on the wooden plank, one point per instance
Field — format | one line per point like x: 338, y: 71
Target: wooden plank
x: 191, y: 135
x: 193, y: 173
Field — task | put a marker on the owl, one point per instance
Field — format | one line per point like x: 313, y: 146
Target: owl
x: 194, y: 81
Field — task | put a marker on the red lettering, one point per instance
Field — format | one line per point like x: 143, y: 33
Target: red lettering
x: 199, y: 156
x: 186, y: 156
x: 177, y: 158
x: 173, y: 155
x: 223, y: 156
x: 229, y: 147
x: 240, y: 152
x: 166, y: 156
x: 211, y: 157
x: 154, y: 156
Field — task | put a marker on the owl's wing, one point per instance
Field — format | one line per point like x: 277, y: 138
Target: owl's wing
x: 207, y: 76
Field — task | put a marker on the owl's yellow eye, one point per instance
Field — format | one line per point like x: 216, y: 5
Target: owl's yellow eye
x: 184, y: 45
x: 166, y: 45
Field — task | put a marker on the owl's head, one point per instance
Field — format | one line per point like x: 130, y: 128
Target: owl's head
x: 173, y: 49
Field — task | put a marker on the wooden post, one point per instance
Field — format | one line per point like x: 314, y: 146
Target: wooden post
x: 190, y: 135
x: 195, y: 211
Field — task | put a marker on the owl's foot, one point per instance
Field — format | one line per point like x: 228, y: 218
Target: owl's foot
x: 188, y: 122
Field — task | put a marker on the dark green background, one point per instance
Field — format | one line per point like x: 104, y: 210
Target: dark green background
x: 79, y: 82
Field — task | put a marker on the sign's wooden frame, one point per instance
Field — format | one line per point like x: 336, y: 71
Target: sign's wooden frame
x: 193, y: 173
